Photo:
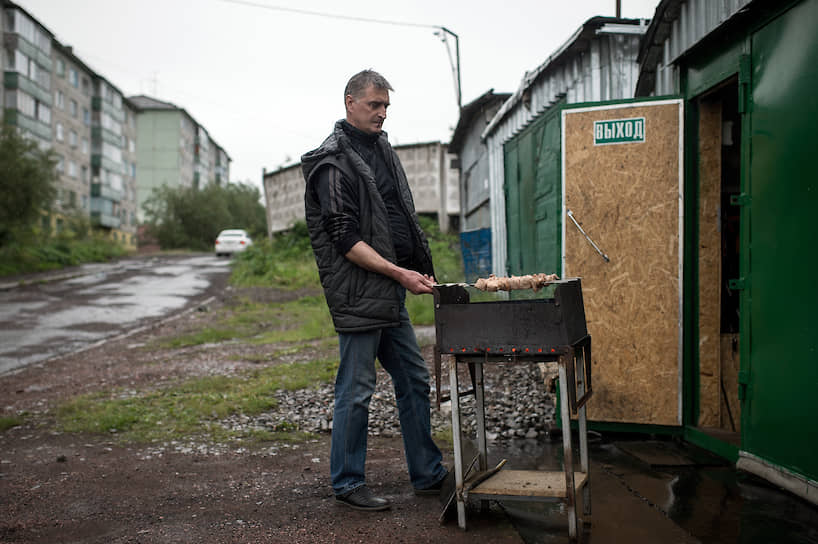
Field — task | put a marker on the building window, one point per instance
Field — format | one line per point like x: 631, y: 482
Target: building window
x: 74, y: 108
x: 43, y: 113
x: 86, y: 86
x: 60, y: 164
x: 25, y: 103
x: 72, y: 169
x: 84, y: 201
x: 73, y: 77
x: 86, y: 116
x: 60, y: 136
x: 84, y: 173
x: 59, y: 99
x: 85, y: 146
x: 72, y: 138
x: 60, y: 67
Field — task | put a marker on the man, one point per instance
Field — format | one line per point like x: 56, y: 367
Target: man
x: 370, y: 250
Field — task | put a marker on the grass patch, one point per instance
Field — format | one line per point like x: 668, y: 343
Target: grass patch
x: 445, y: 436
x: 8, y: 422
x: 299, y: 320
x: 194, y: 408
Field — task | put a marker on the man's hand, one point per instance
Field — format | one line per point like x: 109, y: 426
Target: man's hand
x: 365, y: 256
x: 417, y: 283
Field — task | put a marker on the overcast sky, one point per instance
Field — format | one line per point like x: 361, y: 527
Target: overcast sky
x: 267, y: 83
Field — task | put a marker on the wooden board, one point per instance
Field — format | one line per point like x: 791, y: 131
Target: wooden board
x: 709, y: 248
x: 730, y: 405
x: 628, y: 199
x: 528, y: 483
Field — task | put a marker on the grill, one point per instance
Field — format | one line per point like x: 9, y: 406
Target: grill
x: 551, y: 328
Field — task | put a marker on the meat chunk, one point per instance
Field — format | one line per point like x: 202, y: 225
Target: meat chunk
x: 530, y: 281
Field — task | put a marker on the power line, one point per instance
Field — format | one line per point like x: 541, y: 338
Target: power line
x: 440, y: 31
x: 328, y: 15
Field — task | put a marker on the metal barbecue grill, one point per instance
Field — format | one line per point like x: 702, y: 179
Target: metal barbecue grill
x: 547, y: 329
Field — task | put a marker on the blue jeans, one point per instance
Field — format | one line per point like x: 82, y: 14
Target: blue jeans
x: 398, y: 351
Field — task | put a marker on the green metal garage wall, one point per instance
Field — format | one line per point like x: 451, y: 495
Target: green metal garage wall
x: 779, y: 314
x: 533, y: 197
x: 775, y: 57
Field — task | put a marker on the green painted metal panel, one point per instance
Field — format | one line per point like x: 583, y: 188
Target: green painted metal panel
x: 534, y: 197
x: 527, y: 169
x: 548, y: 220
x: 779, y: 320
x: 721, y: 65
x: 703, y: 440
x: 513, y: 245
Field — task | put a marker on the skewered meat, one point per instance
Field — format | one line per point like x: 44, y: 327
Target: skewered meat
x: 531, y: 281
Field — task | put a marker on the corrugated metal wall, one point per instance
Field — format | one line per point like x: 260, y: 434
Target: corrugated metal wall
x: 607, y: 70
x: 696, y: 19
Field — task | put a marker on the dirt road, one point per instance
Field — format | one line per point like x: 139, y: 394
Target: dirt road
x: 92, y: 489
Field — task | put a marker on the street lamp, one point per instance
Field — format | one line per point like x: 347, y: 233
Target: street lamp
x: 442, y: 33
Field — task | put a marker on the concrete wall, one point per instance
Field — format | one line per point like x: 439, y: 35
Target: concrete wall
x: 158, y: 162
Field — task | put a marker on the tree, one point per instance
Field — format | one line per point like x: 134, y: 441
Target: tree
x: 27, y: 183
x: 185, y: 217
x: 244, y: 205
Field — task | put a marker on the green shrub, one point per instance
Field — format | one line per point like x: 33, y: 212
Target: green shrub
x: 285, y: 262
x: 76, y: 243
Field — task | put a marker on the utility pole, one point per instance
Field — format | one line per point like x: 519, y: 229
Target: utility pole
x: 455, y: 63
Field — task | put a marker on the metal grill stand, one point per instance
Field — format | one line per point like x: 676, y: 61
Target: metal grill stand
x: 502, y: 332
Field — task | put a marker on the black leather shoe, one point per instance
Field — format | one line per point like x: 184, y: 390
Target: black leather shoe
x: 361, y: 498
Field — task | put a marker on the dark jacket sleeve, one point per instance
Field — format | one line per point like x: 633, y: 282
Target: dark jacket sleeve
x: 339, y: 207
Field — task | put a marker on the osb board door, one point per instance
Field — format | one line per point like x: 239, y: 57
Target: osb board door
x: 622, y: 183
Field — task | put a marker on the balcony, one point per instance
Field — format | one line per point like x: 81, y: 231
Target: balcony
x: 16, y: 80
x: 99, y: 161
x: 18, y: 119
x: 15, y: 41
x: 105, y: 220
x: 99, y: 190
x: 101, y: 133
x: 98, y: 104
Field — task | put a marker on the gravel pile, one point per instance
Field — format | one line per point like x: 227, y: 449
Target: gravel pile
x: 518, y: 405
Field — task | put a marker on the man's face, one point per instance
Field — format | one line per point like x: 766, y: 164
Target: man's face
x: 368, y: 111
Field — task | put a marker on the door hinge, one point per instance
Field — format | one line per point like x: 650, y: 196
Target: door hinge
x: 742, y: 199
x: 744, y: 74
x: 737, y: 284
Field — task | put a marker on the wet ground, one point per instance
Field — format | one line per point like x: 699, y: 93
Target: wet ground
x: 662, y: 491
x: 57, y: 487
x: 44, y: 318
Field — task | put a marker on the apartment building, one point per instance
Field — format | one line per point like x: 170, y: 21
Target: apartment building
x: 71, y: 130
x: 112, y: 182
x: 174, y: 151
x: 54, y: 98
x: 27, y: 72
x: 57, y: 100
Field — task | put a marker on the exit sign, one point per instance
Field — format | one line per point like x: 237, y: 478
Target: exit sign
x: 619, y: 131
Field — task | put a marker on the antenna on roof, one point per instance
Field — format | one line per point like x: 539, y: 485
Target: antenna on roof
x: 618, y: 9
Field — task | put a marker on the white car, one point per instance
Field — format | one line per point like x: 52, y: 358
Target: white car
x: 232, y: 241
